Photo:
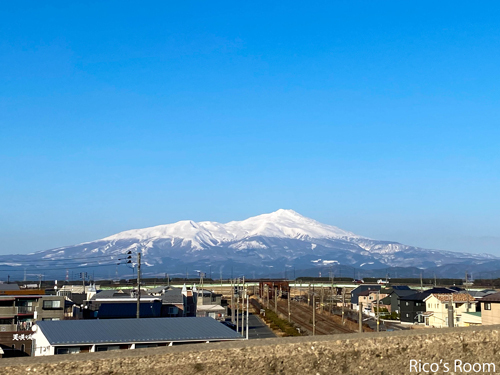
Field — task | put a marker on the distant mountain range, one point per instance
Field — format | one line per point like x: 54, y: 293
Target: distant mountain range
x: 282, y: 243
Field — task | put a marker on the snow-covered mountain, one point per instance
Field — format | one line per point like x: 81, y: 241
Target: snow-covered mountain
x: 265, y: 245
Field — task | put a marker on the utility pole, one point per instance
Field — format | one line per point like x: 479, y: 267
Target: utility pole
x: 201, y: 287
x: 276, y: 300
x: 360, y: 317
x: 247, y: 318
x: 343, y: 304
x: 289, y: 317
x: 243, y: 312
x: 267, y: 296
x: 378, y: 311
x: 83, y: 275
x: 232, y: 302
x: 138, y: 313
x: 322, y: 298
x: 237, y: 306
x: 331, y: 297
x: 421, y: 283
x: 314, y: 315
x: 451, y: 313
x: 466, y: 281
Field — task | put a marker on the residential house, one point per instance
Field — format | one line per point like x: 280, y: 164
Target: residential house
x: 395, y: 298
x: 413, y: 306
x: 490, y: 309
x: 174, y: 302
x: 355, y: 293
x: 84, y: 336
x: 447, y: 309
x: 472, y: 318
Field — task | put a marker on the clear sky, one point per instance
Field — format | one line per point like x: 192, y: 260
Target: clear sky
x: 379, y: 117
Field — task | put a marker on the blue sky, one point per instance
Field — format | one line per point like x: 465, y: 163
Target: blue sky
x: 381, y: 118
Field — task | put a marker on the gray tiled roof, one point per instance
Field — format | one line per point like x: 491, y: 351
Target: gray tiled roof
x: 173, y: 295
x: 491, y: 298
x: 9, y: 287
x: 108, y: 331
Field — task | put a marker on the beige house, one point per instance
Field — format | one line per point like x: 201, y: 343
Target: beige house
x: 472, y: 319
x: 490, y: 309
x: 369, y: 300
x: 438, y: 309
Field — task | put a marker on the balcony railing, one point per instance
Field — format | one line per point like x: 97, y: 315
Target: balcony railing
x: 25, y: 309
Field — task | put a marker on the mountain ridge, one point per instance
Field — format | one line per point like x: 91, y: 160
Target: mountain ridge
x: 261, y: 245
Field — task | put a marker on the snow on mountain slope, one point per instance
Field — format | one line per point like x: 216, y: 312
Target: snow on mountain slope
x: 279, y: 224
x: 259, y: 244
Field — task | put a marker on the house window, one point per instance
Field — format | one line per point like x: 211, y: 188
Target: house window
x: 407, y: 315
x: 106, y: 348
x: 68, y: 350
x: 47, y: 305
x: 172, y: 310
x: 407, y: 304
x: 487, y: 306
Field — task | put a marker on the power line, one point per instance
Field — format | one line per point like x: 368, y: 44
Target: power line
x: 65, y: 267
x: 64, y: 259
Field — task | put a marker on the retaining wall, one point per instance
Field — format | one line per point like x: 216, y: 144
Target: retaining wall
x: 368, y: 353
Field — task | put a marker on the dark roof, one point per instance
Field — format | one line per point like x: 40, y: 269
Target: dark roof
x: 361, y: 288
x: 107, y: 331
x: 404, y: 292
x: 113, y: 293
x: 129, y: 310
x: 173, y: 295
x: 400, y: 287
x: 420, y: 296
x: 110, y: 293
x: 78, y: 298
x: 9, y: 287
x: 476, y: 294
x: 491, y: 298
x: 415, y: 296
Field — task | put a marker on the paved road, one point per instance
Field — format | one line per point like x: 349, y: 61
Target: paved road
x: 257, y: 329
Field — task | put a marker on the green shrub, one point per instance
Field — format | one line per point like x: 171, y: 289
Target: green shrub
x: 277, y: 323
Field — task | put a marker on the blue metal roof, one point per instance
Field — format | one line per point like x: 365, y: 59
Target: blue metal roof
x: 102, y: 331
x: 129, y: 310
